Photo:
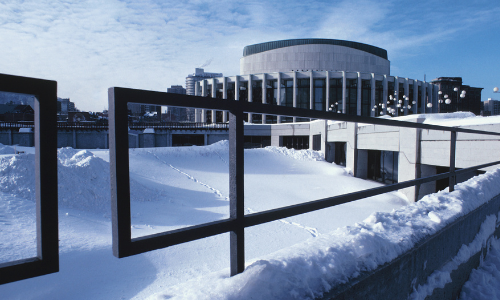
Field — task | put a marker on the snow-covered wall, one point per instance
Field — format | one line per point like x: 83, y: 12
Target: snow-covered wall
x: 436, y: 267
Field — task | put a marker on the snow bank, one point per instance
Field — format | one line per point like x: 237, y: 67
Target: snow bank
x: 307, y: 270
x: 297, y: 154
x: 17, y: 175
x: 83, y: 180
x: 6, y: 149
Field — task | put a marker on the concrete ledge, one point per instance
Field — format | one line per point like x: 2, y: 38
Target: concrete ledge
x: 399, y: 278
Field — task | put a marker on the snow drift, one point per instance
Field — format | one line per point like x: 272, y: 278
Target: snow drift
x: 83, y: 180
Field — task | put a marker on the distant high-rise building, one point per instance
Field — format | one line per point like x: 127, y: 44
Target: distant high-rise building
x: 199, y: 74
x: 452, y: 88
x: 176, y: 89
x: 64, y: 105
x: 144, y: 112
x: 191, y: 79
x: 177, y: 114
x: 491, y: 107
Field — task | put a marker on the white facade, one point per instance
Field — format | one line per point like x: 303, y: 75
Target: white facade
x: 356, y: 93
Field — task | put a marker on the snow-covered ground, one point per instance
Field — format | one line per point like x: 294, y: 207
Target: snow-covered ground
x: 307, y: 270
x: 171, y: 188
x: 294, y: 258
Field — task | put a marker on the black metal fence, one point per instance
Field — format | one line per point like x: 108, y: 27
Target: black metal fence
x: 132, y: 125
x: 124, y: 245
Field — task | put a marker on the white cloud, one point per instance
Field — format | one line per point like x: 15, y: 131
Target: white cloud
x: 89, y: 46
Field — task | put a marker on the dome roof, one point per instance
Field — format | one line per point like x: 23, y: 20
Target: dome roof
x: 257, y: 48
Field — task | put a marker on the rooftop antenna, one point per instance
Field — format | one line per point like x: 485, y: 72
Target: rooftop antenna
x: 424, y: 77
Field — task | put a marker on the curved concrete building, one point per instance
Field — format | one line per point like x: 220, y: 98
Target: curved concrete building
x: 314, y: 55
x: 320, y: 74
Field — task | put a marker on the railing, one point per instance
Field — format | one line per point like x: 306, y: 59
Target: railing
x: 124, y: 245
x: 47, y: 237
x: 179, y: 125
x: 131, y: 125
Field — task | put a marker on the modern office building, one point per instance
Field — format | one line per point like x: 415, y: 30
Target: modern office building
x: 176, y: 89
x: 191, y: 80
x: 491, y: 107
x: 178, y: 114
x: 199, y: 74
x: 455, y: 96
x: 321, y: 74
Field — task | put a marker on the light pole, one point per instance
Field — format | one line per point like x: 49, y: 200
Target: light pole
x: 447, y: 99
x: 334, y: 108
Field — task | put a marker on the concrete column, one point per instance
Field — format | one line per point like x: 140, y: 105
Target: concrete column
x: 396, y: 95
x: 264, y: 95
x: 224, y: 96
x: 196, y: 110
x: 409, y: 160
x: 74, y: 138
x: 148, y: 136
x: 205, y: 139
x: 344, y: 93
x: 415, y: 96
x: 327, y: 94
x: 169, y: 138
x: 424, y: 98
x: 352, y: 147
x: 358, y: 95
x: 405, y: 102
x: 385, y: 94
x: 294, y: 92
x: 237, y: 89
x: 311, y: 91
x: 250, y: 96
x: 278, y: 100
x: 214, y: 95
x: 372, y: 95
x: 203, y: 94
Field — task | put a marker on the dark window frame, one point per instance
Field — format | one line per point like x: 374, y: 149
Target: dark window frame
x: 45, y: 132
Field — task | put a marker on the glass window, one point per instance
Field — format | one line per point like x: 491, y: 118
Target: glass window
x: 244, y: 91
x: 336, y: 94
x: 257, y: 91
x: 287, y: 97
x: 383, y: 166
x: 219, y: 92
x: 365, y: 98
x: 319, y: 94
x: 352, y: 99
x: 230, y: 91
x: 304, y: 92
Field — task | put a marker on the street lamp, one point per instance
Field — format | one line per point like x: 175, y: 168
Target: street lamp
x: 334, y: 108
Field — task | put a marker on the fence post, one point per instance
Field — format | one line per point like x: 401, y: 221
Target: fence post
x: 236, y: 191
x: 453, y: 146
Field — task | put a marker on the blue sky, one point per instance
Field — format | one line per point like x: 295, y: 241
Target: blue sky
x: 89, y: 46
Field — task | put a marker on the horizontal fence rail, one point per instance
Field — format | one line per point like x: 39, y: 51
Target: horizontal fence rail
x: 131, y: 125
x: 124, y: 245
